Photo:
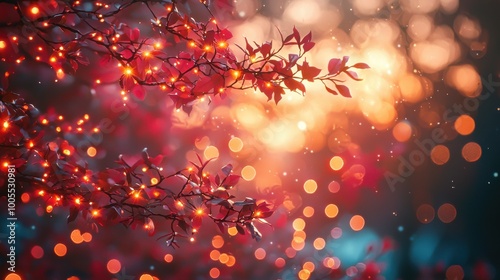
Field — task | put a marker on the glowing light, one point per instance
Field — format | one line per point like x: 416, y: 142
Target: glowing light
x: 310, y: 186
x: 211, y: 152
x: 319, y: 243
x: 35, y: 10
x: 25, y: 197
x: 214, y: 272
x: 13, y: 276
x: 154, y: 181
x: 334, y: 187
x: 447, y: 213
x: 402, y: 131
x: 232, y: 231
x: 214, y: 255
x: 455, y: 272
x: 76, y: 236
x: 357, y: 222
x: 49, y: 208
x: 471, y: 152
x: 260, y: 254
x: 331, y: 210
x: 199, y: 212
x: 440, y: 154
x: 464, y: 125
x: 146, y: 277
x: 87, y: 237
x: 248, y: 173
x: 3, y: 45
x: 37, y: 252
x: 336, y: 163
x: 95, y: 213
x: 67, y: 152
x: 60, y: 249
x: 465, y: 79
x: 114, y: 266
x: 78, y: 201
x: 235, y: 144
x: 280, y: 262
x: 299, y: 224
x: 127, y: 71
x: 91, y: 152
x: 308, y: 211
x: 425, y: 213
x: 5, y: 124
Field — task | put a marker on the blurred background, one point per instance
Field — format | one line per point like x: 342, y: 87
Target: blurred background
x: 398, y: 182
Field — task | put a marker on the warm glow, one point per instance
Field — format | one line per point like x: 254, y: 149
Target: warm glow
x: 308, y: 211
x: 214, y: 255
x: 331, y: 210
x: 233, y: 231
x: 440, y: 154
x: 60, y: 250
x: 217, y: 241
x: 260, y: 254
x: 211, y: 152
x: 464, y: 125
x: 35, y: 10
x: 336, y: 163
x: 13, y: 276
x: 87, y: 237
x: 299, y: 224
x: 402, y: 131
x: 146, y: 277
x: 168, y: 258
x: 114, y: 266
x: 471, y: 152
x: 248, y: 173
x: 37, y: 252
x: 319, y: 243
x: 310, y: 186
x: 447, y: 213
x: 76, y: 236
x: 91, y: 151
x: 214, y: 272
x: 235, y: 144
x: 357, y: 223
x: 425, y: 213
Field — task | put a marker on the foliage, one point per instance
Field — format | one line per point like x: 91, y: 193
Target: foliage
x: 183, y: 57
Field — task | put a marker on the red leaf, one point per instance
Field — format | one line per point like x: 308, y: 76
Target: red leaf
x: 308, y: 46
x: 288, y: 38
x: 296, y: 34
x: 134, y: 34
x: 334, y: 66
x: 240, y: 229
x: 197, y: 220
x: 307, y: 38
x: 249, y: 48
x: 353, y: 75
x: 361, y: 66
x: 265, y: 49
x: 309, y: 72
x: 231, y: 181
x: 331, y: 90
x: 73, y: 213
x: 139, y: 92
x: 293, y: 85
x: 343, y: 90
